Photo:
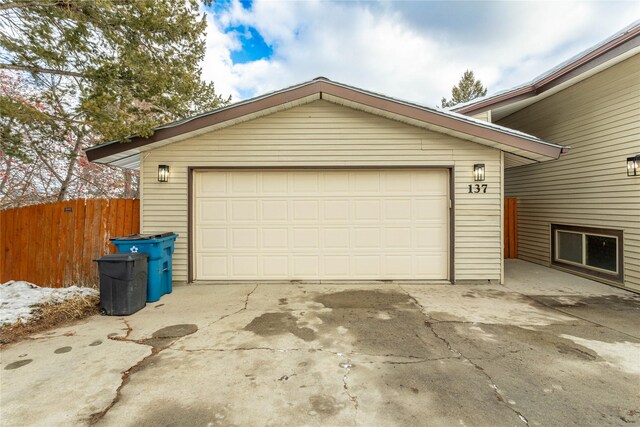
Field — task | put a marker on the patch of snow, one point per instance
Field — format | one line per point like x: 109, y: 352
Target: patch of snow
x: 623, y: 355
x: 18, y: 299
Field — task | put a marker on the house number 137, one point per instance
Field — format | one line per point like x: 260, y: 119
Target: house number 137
x: 477, y: 188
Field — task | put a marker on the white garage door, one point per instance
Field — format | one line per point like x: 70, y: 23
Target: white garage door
x: 321, y: 224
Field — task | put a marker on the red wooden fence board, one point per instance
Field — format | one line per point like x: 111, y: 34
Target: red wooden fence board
x: 48, y: 246
x: 510, y: 227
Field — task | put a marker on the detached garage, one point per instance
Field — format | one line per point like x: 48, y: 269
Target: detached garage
x: 326, y: 182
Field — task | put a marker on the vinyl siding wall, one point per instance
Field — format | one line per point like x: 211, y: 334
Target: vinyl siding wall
x: 600, y: 119
x: 321, y: 133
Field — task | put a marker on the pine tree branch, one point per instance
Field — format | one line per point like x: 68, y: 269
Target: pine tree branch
x: 15, y: 5
x: 25, y: 4
x: 34, y: 69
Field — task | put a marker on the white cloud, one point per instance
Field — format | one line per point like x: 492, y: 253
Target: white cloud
x: 405, y: 49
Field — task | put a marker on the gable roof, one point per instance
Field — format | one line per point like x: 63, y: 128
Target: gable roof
x: 530, y: 148
x: 621, y: 45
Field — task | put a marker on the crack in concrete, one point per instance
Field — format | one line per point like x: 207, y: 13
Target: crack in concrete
x: 414, y: 299
x: 126, y: 337
x: 425, y: 360
x: 223, y: 350
x: 499, y: 397
x: 345, y: 387
x: 246, y: 303
x: 416, y: 359
x: 124, y: 379
x: 97, y: 416
x: 429, y: 323
x: 246, y: 300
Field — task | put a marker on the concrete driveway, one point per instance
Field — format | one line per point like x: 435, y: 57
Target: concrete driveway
x: 547, y: 349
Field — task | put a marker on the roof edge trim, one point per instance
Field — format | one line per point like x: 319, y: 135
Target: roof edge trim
x: 445, y: 119
x: 546, y: 81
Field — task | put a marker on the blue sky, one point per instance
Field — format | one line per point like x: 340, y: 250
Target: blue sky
x: 411, y: 50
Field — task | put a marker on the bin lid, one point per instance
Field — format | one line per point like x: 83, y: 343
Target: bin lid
x: 143, y: 236
x: 123, y: 256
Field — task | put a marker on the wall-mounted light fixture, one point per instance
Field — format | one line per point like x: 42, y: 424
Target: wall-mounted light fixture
x: 478, y: 172
x: 163, y: 173
x: 633, y: 165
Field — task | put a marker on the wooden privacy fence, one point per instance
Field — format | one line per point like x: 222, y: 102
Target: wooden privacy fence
x: 510, y: 227
x: 54, y: 244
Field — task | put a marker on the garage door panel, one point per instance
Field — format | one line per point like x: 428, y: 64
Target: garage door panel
x: 212, y: 211
x: 212, y: 238
x: 398, y: 238
x: 244, y: 265
x: 243, y: 210
x: 306, y: 266
x: 367, y: 210
x: 244, y: 182
x: 210, y: 184
x: 398, y: 184
x: 430, y: 238
x: 274, y: 210
x: 397, y: 209
x: 275, y: 183
x: 429, y: 184
x: 336, y: 238
x: 323, y: 224
x: 305, y: 183
x: 305, y: 210
x: 430, y: 264
x: 212, y: 267
x: 366, y: 238
x: 367, y: 183
x: 244, y: 238
x: 275, y: 267
x: 367, y: 266
x: 336, y: 210
x: 336, y: 266
x: 275, y: 238
x: 430, y: 209
x: 337, y: 183
x: 306, y: 238
x: 398, y: 265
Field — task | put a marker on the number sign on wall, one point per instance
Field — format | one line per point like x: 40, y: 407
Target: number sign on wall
x: 478, y: 188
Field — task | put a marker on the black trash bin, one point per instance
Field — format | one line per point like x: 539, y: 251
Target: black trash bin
x: 123, y: 283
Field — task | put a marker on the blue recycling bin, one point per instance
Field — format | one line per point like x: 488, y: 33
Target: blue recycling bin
x: 160, y: 248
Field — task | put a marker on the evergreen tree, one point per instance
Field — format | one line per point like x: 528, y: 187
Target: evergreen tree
x: 122, y: 67
x: 75, y: 73
x: 468, y: 88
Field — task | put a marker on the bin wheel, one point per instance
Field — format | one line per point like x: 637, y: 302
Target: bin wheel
x: 103, y: 312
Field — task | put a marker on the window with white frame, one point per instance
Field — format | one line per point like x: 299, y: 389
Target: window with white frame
x: 593, y: 251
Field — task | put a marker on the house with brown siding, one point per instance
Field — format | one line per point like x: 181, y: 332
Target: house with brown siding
x: 327, y: 182
x: 580, y: 212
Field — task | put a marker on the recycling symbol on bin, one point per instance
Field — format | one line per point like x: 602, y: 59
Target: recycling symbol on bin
x: 134, y: 249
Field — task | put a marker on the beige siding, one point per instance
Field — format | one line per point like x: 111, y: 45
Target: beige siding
x: 485, y: 115
x: 325, y: 134
x: 600, y: 119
